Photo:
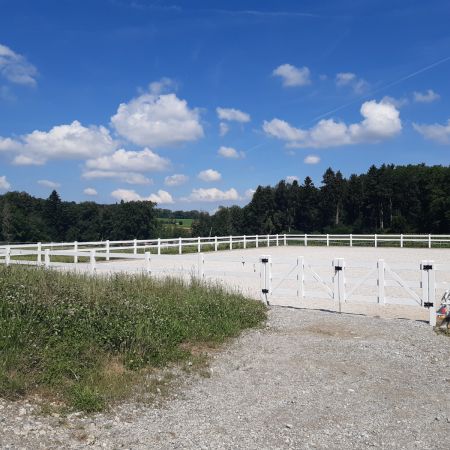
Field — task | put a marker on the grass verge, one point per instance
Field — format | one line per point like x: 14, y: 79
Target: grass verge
x: 85, y: 342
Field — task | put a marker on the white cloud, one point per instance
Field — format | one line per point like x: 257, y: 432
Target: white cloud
x: 381, y: 121
x: 293, y: 76
x: 435, y: 132
x: 129, y: 195
x: 72, y: 141
x: 397, y: 102
x: 162, y: 85
x: 426, y: 97
x: 176, y: 179
x: 311, y: 159
x: 232, y: 114
x: 209, y: 175
x: 15, y: 68
x: 142, y: 161
x: 223, y: 129
x: 126, y: 177
x: 249, y: 193
x: 291, y: 179
x: 49, y: 184
x: 350, y: 79
x: 157, y: 120
x: 230, y: 152
x: 90, y: 191
x: 212, y: 195
x: 4, y: 184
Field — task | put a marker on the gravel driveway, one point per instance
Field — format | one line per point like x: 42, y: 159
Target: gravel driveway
x: 310, y: 379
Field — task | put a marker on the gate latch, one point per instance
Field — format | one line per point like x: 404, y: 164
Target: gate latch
x: 264, y: 260
x: 337, y: 268
x: 265, y: 291
x: 428, y: 304
x: 427, y: 267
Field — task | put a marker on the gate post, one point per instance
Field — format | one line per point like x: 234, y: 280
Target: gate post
x: 276, y: 240
x: 245, y: 241
x: 215, y: 243
x: 256, y: 241
x: 201, y: 266
x: 328, y: 240
x: 180, y: 246
x: 268, y: 240
x: 265, y: 277
x: 198, y: 245
x: 375, y: 240
x: 429, y: 289
x: 92, y: 261
x: 75, y: 250
x: 300, y: 278
x: 380, y: 281
x: 39, y: 254
x: 107, y: 250
x: 147, y: 263
x: 159, y: 246
x: 231, y: 242
x: 284, y: 239
x: 339, y: 281
x: 306, y: 240
x: 8, y: 255
x: 135, y: 246
x: 47, y: 258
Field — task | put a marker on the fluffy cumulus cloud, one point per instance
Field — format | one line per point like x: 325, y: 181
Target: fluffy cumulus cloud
x: 380, y: 121
x: 125, y: 166
x: 176, y: 179
x: 435, y: 132
x: 209, y: 175
x: 311, y: 159
x: 350, y: 79
x: 293, y: 76
x: 129, y: 195
x: 49, y: 184
x: 232, y: 115
x: 15, y: 68
x: 291, y: 178
x: 73, y: 141
x: 426, y: 97
x: 4, y: 184
x: 90, y: 191
x: 230, y: 152
x: 157, y: 120
x: 212, y: 195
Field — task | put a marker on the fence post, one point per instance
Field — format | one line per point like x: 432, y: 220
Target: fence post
x: 429, y: 241
x: 180, y: 247
x: 215, y: 243
x: 92, y: 261
x: 429, y: 289
x: 265, y: 277
x: 306, y: 240
x: 300, y: 278
x: 276, y: 240
x: 268, y: 240
x: 201, y: 266
x: 245, y: 241
x: 39, y: 254
x: 351, y: 240
x: 339, y: 281
x: 147, y: 263
x: 159, y: 246
x: 199, y: 245
x: 284, y: 240
x: 256, y: 241
x: 107, y: 250
x: 75, y: 249
x: 328, y: 240
x: 401, y: 241
x: 375, y: 240
x: 47, y: 258
x: 231, y: 242
x: 135, y: 246
x: 380, y: 281
x: 8, y: 255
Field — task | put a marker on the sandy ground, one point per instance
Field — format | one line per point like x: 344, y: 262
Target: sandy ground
x: 240, y: 269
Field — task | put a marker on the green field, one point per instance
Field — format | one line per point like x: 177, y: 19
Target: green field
x: 184, y: 223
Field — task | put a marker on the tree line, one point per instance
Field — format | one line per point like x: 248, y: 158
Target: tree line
x: 387, y: 199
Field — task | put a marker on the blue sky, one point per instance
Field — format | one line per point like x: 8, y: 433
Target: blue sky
x: 193, y: 104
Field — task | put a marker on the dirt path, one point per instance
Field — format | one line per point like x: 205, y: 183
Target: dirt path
x: 310, y: 379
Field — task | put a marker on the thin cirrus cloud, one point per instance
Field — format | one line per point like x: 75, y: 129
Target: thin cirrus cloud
x: 73, y: 141
x: 380, y: 121
x: 90, y: 191
x: 233, y: 115
x: 129, y: 195
x: 176, y: 179
x: 4, y: 183
x: 49, y: 184
x: 312, y: 159
x: 230, y: 152
x: 209, y: 175
x: 15, y: 68
x: 126, y: 177
x: 157, y: 120
x: 292, y: 76
x: 212, y: 195
x: 426, y: 97
x: 435, y: 132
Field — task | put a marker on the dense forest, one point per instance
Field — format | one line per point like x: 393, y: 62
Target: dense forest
x: 397, y: 199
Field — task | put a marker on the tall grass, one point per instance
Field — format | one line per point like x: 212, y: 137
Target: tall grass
x: 85, y: 340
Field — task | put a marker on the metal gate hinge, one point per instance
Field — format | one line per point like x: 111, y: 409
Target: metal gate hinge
x: 428, y: 304
x: 265, y: 291
x: 337, y: 268
x: 264, y: 260
x: 427, y: 267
